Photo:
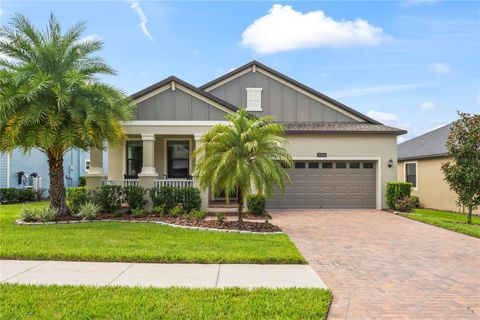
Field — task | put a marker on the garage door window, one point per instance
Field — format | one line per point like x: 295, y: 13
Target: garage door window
x: 341, y: 165
x: 327, y: 165
x: 368, y: 165
x: 354, y: 165
x: 299, y: 165
x: 313, y: 165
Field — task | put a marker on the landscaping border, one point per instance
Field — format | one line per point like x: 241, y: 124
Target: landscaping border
x: 21, y: 222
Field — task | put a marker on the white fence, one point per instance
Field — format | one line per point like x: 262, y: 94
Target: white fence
x: 176, y: 183
x: 121, y: 182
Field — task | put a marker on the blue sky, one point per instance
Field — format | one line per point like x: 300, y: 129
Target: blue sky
x: 410, y: 63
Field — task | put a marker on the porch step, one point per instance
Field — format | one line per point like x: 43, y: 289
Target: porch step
x: 227, y: 210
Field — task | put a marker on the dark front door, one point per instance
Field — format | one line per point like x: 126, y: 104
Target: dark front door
x: 134, y: 158
x: 178, y: 164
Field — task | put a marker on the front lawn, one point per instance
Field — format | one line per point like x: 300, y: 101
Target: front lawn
x: 137, y: 242
x: 79, y: 302
x: 447, y: 220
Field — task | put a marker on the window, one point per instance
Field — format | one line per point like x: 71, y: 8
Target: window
x: 134, y: 158
x: 341, y: 165
x: 327, y: 165
x: 411, y: 173
x: 368, y: 165
x: 313, y: 165
x: 87, y: 165
x: 254, y: 99
x: 299, y: 165
x: 354, y: 165
x: 178, y: 163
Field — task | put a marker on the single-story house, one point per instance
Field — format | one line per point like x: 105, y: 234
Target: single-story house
x: 343, y: 159
x: 419, y: 162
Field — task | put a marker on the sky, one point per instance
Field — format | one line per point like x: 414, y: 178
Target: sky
x: 410, y: 64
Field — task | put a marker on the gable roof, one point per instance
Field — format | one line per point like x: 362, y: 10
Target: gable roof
x: 292, y: 81
x: 187, y: 85
x: 429, y: 145
x: 339, y: 128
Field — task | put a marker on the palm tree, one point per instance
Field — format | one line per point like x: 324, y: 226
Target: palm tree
x: 51, y: 97
x: 248, y: 152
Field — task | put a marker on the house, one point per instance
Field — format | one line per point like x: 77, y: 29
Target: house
x: 419, y: 162
x: 30, y: 170
x: 343, y: 159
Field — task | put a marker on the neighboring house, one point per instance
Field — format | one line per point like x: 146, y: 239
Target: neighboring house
x: 18, y: 169
x: 343, y: 159
x: 419, y: 162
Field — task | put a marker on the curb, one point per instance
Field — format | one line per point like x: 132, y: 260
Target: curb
x: 23, y: 223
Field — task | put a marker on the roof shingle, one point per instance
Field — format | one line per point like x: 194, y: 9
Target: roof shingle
x: 340, y: 127
x: 430, y: 144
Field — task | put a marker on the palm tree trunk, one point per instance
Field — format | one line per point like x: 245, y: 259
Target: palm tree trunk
x: 240, y: 204
x: 470, y: 209
x: 57, y: 186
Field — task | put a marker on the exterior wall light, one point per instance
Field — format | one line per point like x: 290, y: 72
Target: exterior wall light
x: 390, y: 163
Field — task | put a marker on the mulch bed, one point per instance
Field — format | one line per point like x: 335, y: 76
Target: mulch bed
x: 185, y: 221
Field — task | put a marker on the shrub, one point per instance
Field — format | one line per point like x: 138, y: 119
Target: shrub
x: 28, y: 214
x: 26, y: 195
x: 198, y: 214
x: 416, y: 201
x: 76, y: 197
x: 138, y: 213
x: 43, y: 214
x: 256, y: 203
x: 8, y: 195
x: 189, y: 197
x: 159, y: 210
x: 82, y: 181
x: 88, y: 211
x: 396, y: 191
x: 133, y: 195
x: 176, y: 211
x: 164, y: 196
x: 406, y: 204
x: 109, y: 198
x: 220, y: 216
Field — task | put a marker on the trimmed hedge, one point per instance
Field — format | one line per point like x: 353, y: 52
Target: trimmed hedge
x: 76, y: 198
x: 256, y: 203
x: 168, y: 197
x: 397, y: 191
x: 13, y: 195
x: 133, y: 195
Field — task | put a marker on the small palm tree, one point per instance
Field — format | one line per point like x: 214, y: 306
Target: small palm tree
x: 248, y: 152
x: 51, y: 97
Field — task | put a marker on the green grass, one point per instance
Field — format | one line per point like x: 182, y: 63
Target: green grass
x: 75, y: 302
x: 137, y: 242
x: 447, y: 220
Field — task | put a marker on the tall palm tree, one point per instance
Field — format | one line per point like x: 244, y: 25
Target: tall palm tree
x: 51, y: 97
x: 248, y: 152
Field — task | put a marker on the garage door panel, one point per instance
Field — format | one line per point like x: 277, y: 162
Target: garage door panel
x: 317, y: 188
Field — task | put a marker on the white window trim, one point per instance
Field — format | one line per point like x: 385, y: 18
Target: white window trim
x: 416, y: 173
x: 85, y: 165
x: 255, y: 107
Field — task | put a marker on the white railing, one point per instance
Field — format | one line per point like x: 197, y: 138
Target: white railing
x: 176, y: 183
x: 121, y: 182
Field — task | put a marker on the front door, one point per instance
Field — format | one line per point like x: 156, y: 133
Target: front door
x: 178, y: 161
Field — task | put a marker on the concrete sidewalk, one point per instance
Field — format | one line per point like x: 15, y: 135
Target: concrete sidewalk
x: 159, y: 275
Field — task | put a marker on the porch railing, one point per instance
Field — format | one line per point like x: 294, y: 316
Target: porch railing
x: 121, y: 182
x: 176, y: 183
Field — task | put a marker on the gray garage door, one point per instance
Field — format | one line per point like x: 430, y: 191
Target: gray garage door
x: 328, y: 185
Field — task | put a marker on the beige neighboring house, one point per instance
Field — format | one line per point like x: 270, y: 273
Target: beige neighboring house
x: 343, y: 159
x: 419, y: 162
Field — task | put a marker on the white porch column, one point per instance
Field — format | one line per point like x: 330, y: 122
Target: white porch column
x: 148, y: 175
x: 203, y: 193
x: 95, y: 173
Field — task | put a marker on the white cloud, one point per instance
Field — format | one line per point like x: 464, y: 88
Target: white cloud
x: 382, y: 116
x: 372, y: 90
x: 427, y: 105
x: 284, y: 29
x: 419, y: 2
x: 143, y: 18
x: 440, y: 68
x: 91, y: 37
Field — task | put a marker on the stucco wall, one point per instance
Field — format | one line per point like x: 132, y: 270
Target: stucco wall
x: 432, y: 190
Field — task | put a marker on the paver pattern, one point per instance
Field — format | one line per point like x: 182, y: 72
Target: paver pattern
x: 382, y: 266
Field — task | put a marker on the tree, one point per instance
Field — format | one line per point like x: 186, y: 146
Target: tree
x: 463, y: 173
x: 51, y: 97
x: 248, y: 152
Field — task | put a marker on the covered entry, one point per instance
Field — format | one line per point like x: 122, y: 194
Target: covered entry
x: 329, y: 185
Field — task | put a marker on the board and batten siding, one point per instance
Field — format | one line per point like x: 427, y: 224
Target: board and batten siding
x: 4, y: 170
x: 278, y: 100
x: 176, y: 105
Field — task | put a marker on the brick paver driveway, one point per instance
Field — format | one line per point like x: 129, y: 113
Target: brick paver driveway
x: 382, y: 266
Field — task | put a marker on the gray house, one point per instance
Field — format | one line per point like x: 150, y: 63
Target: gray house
x: 343, y: 159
